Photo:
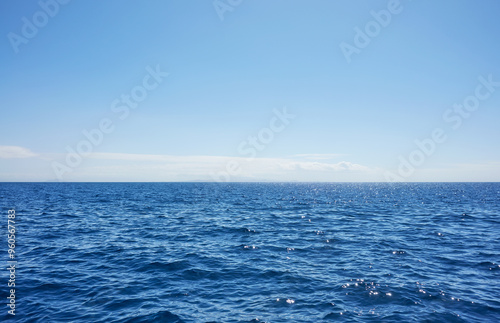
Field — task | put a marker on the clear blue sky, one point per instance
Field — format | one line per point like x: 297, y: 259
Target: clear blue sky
x: 354, y: 121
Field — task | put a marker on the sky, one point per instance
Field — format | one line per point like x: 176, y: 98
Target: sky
x: 238, y: 90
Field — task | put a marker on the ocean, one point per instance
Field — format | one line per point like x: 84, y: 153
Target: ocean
x: 252, y: 252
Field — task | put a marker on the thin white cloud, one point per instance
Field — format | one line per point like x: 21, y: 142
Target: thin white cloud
x: 141, y: 167
x: 157, y: 158
x: 210, y: 161
x: 319, y: 156
x: 7, y: 152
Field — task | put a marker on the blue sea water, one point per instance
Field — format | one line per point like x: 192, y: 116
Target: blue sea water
x: 253, y: 252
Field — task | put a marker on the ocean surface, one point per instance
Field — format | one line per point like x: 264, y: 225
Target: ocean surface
x: 253, y: 252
